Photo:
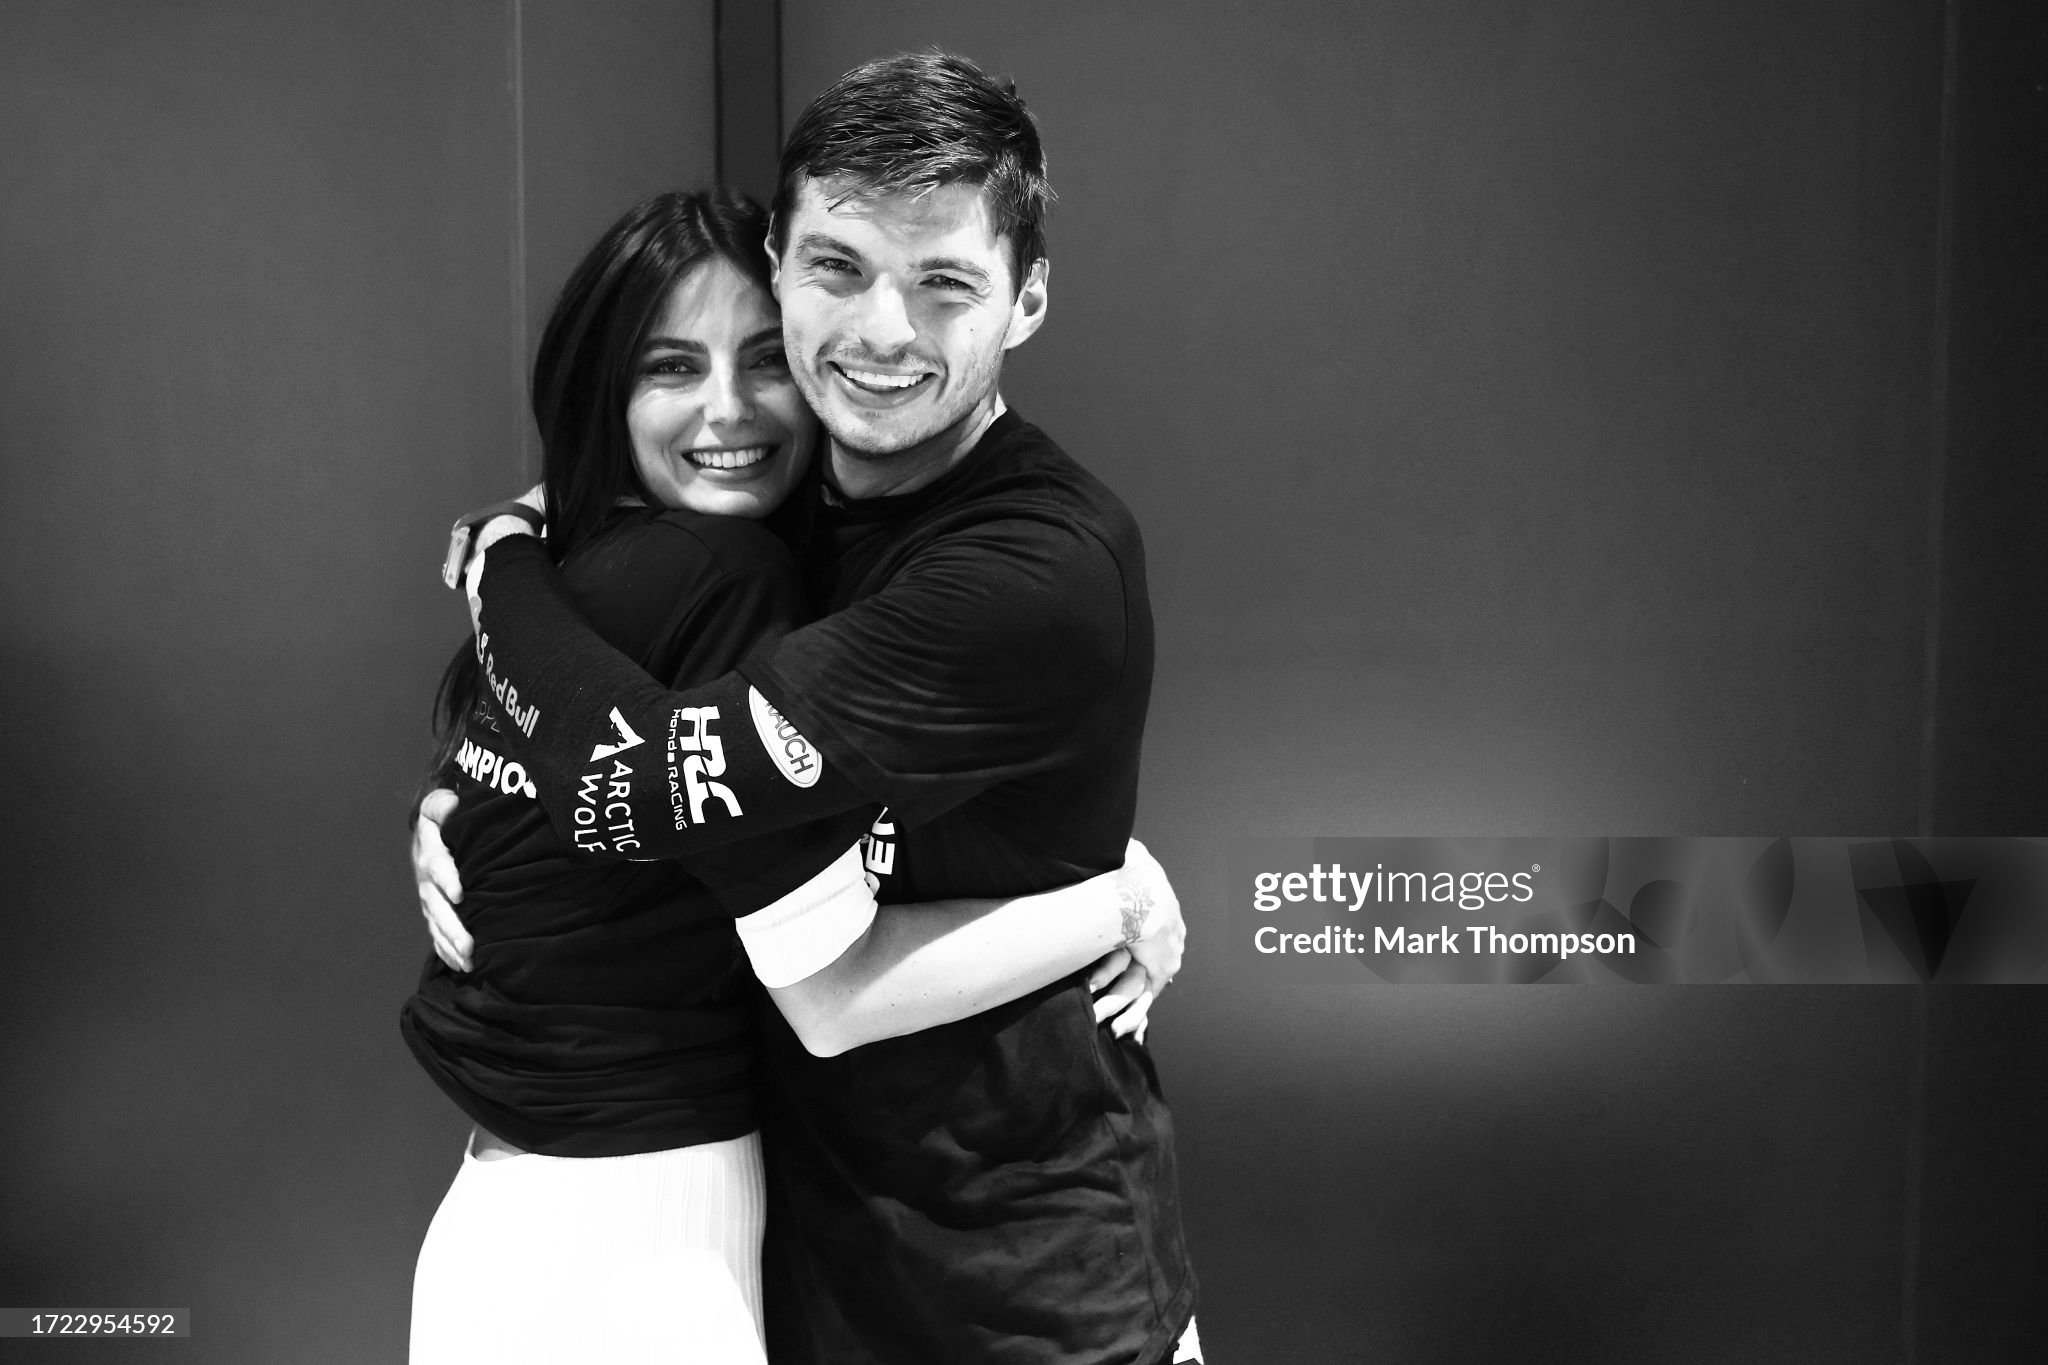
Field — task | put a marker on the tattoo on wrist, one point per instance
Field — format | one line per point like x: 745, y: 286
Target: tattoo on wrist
x: 1135, y: 906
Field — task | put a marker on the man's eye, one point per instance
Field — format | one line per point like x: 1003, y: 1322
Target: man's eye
x: 948, y: 282
x: 831, y: 265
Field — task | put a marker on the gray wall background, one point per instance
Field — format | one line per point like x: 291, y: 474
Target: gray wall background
x: 1545, y: 418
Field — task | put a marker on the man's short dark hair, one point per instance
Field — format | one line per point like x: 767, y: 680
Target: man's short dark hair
x: 915, y: 122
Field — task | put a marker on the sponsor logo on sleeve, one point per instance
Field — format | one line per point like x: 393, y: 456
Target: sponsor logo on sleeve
x: 696, y: 755
x: 623, y: 739
x: 878, y: 848
x: 795, y: 757
x: 603, y: 817
x: 525, y: 717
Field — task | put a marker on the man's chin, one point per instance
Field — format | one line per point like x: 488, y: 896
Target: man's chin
x: 868, y: 450
x: 864, y: 437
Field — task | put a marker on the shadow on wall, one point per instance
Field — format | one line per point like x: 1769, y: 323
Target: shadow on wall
x: 1598, y: 1175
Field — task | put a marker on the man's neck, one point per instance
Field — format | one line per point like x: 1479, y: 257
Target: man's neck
x: 864, y: 476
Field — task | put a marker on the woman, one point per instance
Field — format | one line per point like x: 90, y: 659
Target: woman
x: 609, y: 1205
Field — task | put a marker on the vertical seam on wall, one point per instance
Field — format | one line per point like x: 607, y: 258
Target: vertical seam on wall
x: 718, y: 91
x: 522, y: 436
x: 724, y: 126
x: 1930, y: 684
x: 777, y: 4
x: 1937, y: 463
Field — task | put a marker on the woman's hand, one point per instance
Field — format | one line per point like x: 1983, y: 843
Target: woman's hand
x: 440, y: 887
x: 1127, y: 981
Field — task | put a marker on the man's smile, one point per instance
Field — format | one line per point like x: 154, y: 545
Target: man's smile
x: 880, y: 383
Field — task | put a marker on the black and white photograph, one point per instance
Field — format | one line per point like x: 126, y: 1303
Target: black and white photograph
x: 752, y: 682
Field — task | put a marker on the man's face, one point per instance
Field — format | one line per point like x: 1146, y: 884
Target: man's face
x: 896, y: 311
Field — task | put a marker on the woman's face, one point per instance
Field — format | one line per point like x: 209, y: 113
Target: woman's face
x: 717, y: 423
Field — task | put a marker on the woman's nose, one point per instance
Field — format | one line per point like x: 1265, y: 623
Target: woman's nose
x: 727, y: 397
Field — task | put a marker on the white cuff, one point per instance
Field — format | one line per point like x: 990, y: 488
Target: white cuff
x: 809, y: 928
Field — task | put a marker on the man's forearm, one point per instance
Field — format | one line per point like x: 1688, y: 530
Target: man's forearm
x: 923, y: 965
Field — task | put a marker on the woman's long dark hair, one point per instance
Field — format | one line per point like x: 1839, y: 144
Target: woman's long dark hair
x: 587, y: 366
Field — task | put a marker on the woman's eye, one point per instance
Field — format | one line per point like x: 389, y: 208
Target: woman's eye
x: 671, y: 365
x: 771, y: 360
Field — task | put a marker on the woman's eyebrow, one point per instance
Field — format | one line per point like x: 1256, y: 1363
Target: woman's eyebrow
x: 662, y: 343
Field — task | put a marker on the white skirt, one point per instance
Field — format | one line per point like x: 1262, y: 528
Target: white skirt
x: 627, y: 1259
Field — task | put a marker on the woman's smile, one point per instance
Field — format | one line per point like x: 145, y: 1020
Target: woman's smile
x: 730, y: 459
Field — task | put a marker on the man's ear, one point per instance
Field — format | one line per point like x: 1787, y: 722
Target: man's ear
x: 774, y: 264
x: 1027, y: 311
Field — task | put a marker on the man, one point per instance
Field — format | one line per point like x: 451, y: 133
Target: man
x: 1002, y: 1188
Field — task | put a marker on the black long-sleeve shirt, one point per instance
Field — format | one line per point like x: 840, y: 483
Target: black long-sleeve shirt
x: 998, y: 1189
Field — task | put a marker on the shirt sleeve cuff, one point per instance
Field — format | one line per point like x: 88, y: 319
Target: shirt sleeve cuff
x: 809, y: 928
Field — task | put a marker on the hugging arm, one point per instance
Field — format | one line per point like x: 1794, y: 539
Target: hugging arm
x: 995, y: 653
x: 626, y: 767
x: 687, y: 771
x: 844, y: 972
x: 916, y: 966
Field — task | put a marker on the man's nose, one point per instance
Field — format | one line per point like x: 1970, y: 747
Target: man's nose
x: 884, y: 323
x: 728, y: 398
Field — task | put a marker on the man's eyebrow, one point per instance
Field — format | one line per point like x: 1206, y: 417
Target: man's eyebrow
x: 953, y: 265
x: 818, y: 241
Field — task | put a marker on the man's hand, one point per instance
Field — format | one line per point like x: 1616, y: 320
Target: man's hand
x: 475, y: 532
x: 487, y: 535
x: 1128, y: 980
x: 440, y: 888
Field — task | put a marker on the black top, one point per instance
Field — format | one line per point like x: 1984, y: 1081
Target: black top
x: 1003, y: 1188
x: 610, y: 1010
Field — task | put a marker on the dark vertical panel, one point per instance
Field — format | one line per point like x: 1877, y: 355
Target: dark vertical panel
x: 749, y: 94
x: 256, y: 350
x: 1992, y: 725
x: 620, y: 103
x: 1529, y: 412
x: 1984, y: 1245
x: 1984, y: 1252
